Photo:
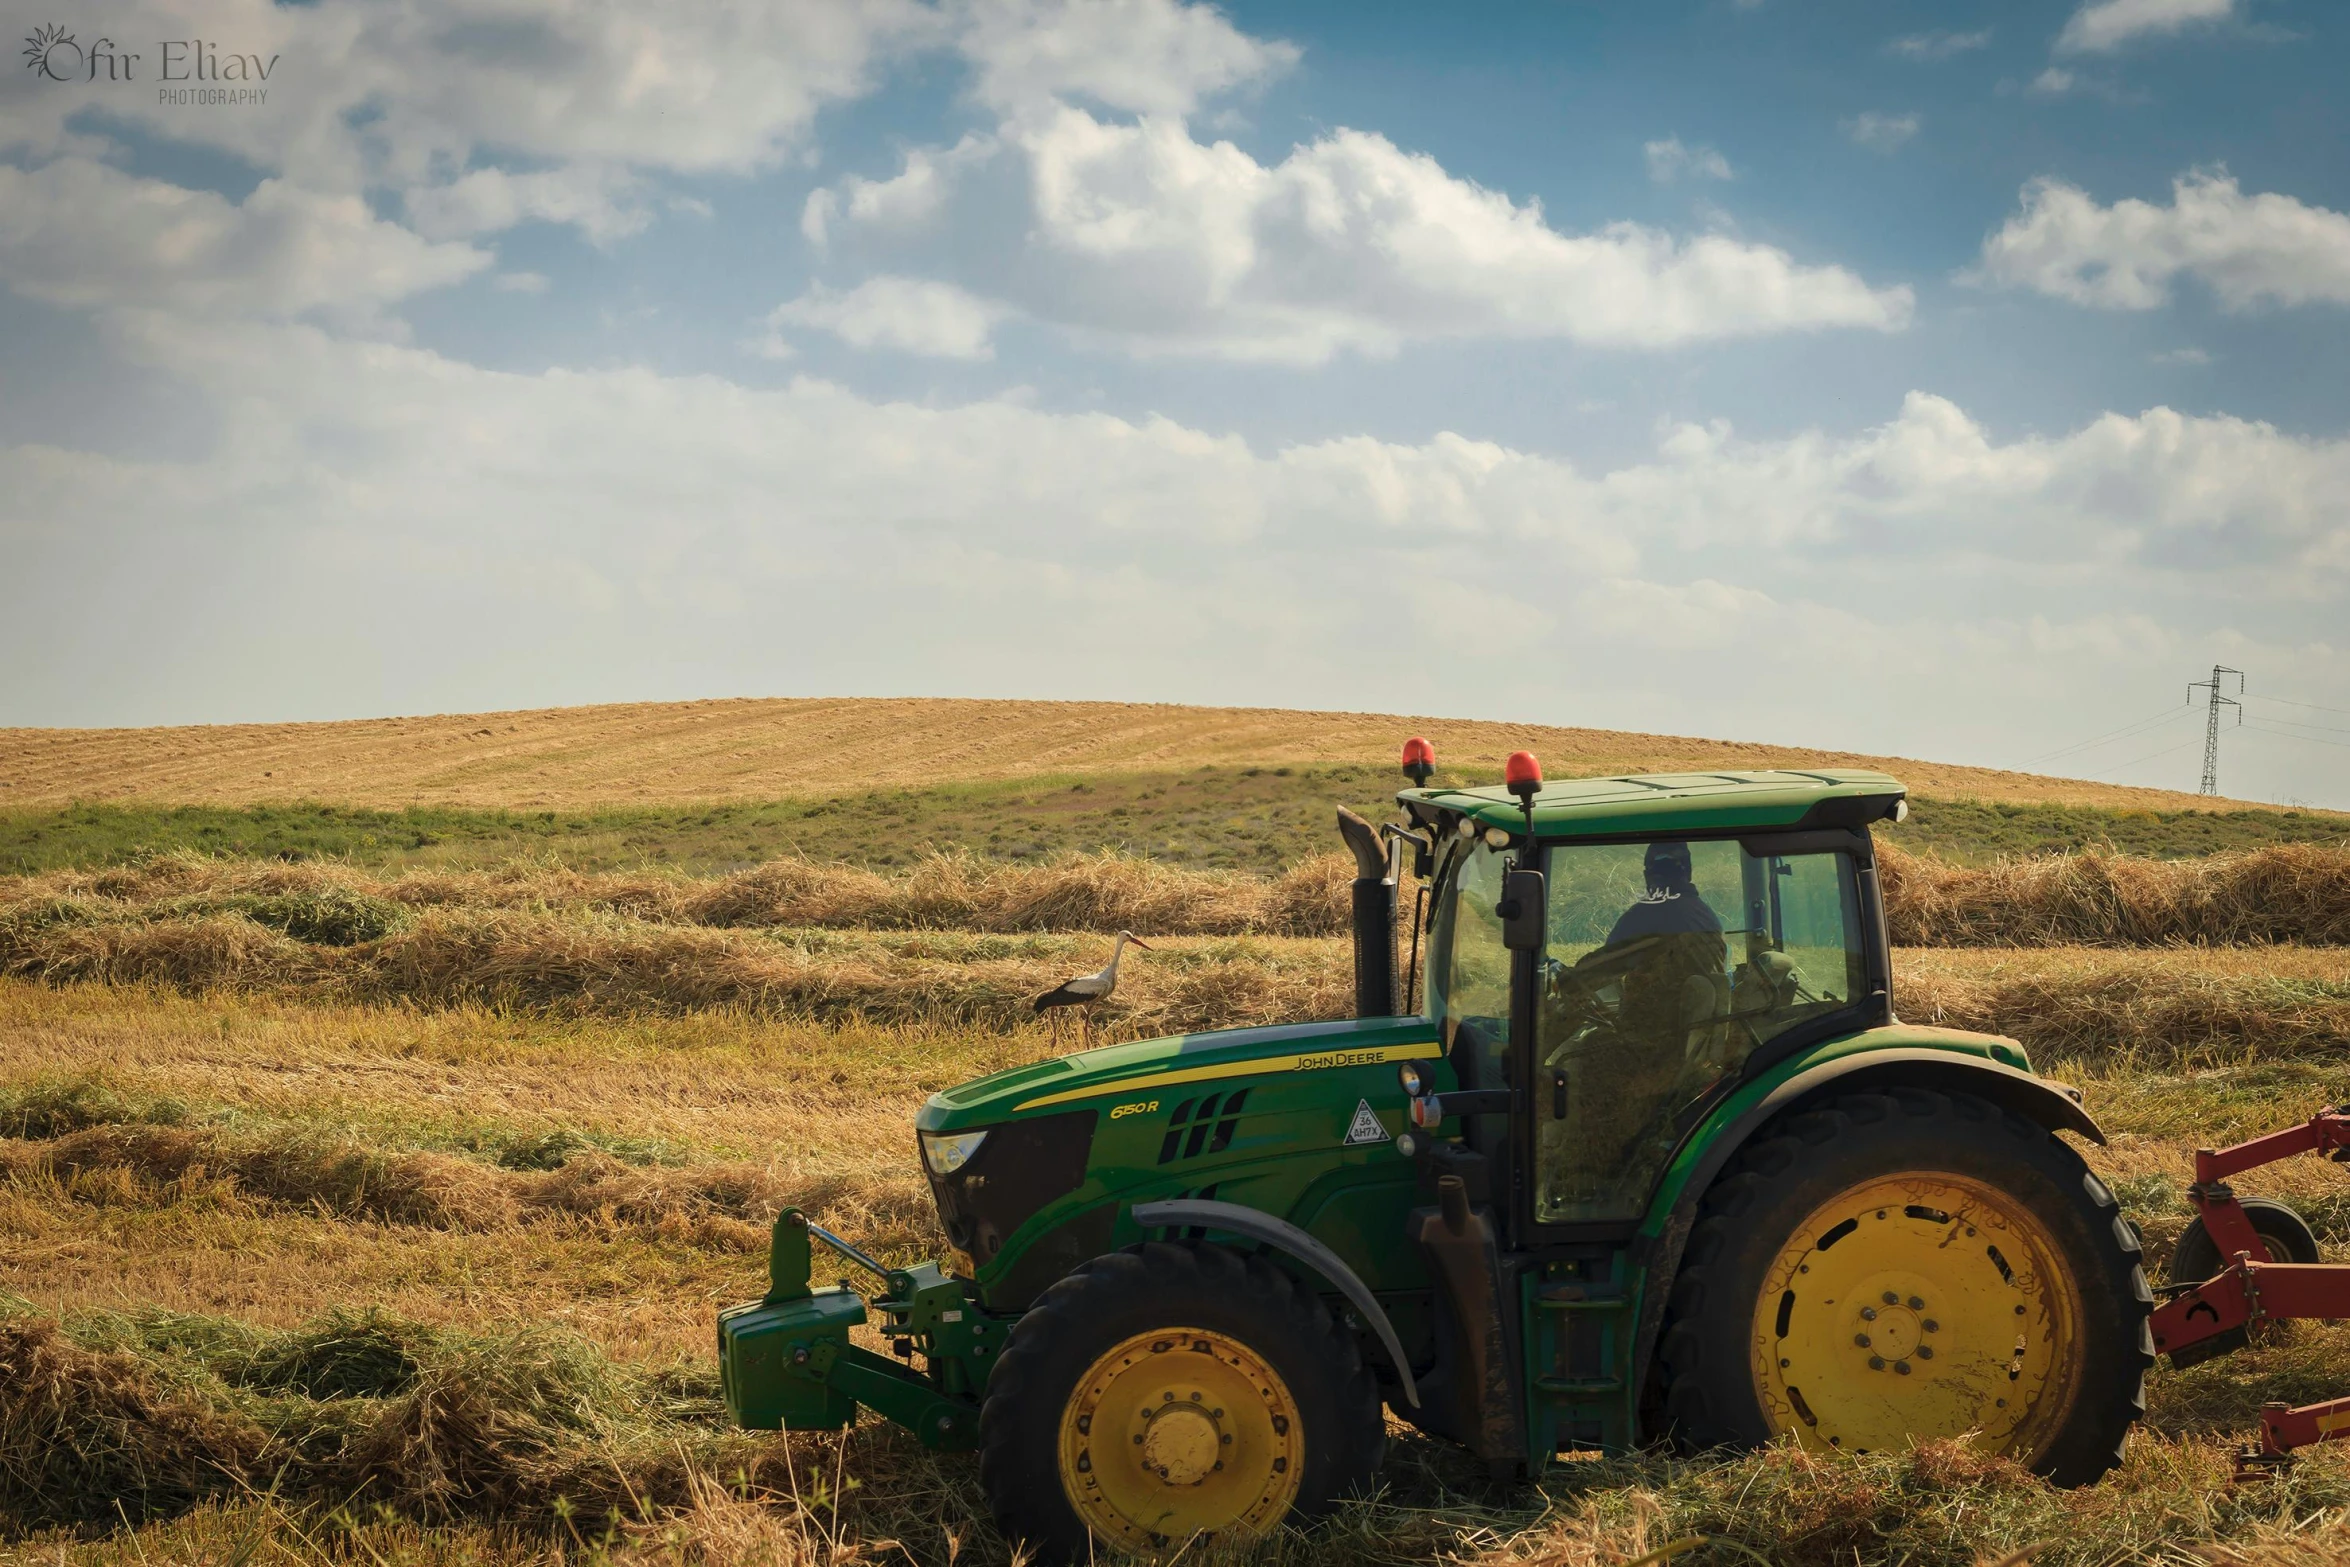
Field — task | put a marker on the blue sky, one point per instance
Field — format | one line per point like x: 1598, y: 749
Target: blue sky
x: 1947, y: 380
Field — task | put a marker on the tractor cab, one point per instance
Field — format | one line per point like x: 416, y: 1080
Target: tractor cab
x: 1680, y: 944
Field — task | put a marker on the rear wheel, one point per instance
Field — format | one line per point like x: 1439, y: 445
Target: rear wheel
x: 1899, y: 1267
x: 1171, y: 1392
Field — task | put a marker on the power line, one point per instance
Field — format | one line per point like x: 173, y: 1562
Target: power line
x: 2287, y: 734
x: 2150, y: 756
x: 2312, y: 706
x: 2219, y: 674
x: 2124, y: 732
x: 2297, y: 723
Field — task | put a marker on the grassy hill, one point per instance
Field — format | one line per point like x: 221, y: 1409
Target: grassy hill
x: 659, y: 754
x: 1236, y: 818
x: 707, y: 787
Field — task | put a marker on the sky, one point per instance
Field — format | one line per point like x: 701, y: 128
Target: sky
x: 1955, y: 380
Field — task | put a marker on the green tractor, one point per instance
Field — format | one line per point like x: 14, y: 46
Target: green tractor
x: 1629, y: 1148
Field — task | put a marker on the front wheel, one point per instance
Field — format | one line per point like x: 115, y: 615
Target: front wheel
x: 1171, y: 1392
x: 1900, y: 1267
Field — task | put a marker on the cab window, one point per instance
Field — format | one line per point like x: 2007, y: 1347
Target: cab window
x: 1468, y: 975
x: 1668, y: 964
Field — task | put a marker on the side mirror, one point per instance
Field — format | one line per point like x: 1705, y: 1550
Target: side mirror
x: 1524, y: 908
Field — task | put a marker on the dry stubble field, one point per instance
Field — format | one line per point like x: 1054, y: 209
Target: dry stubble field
x: 381, y: 1218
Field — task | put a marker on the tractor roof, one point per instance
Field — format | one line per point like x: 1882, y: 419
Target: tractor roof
x: 1677, y: 802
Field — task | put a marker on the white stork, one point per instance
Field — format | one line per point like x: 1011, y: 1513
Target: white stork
x: 1086, y: 989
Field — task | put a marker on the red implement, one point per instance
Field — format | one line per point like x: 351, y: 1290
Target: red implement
x: 2210, y: 1318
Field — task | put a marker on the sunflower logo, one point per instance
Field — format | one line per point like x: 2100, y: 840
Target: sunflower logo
x: 47, y: 50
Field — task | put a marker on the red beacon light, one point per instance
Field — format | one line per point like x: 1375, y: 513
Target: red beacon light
x: 1419, y: 760
x: 1523, y: 775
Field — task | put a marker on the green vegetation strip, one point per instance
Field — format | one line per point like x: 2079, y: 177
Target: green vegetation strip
x: 1244, y: 818
x: 1247, y: 818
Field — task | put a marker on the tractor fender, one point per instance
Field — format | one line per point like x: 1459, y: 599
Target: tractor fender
x: 1283, y: 1236
x: 2056, y: 1106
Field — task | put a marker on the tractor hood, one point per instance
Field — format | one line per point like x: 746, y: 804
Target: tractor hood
x: 1100, y: 1077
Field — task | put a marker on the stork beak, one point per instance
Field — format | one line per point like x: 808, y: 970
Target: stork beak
x: 1138, y: 941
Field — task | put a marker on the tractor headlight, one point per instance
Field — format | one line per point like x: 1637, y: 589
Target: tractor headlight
x: 1409, y: 1075
x: 947, y: 1152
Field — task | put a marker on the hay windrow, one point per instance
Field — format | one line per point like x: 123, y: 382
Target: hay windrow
x: 719, y: 1205
x: 341, y: 905
x: 2289, y: 893
x: 2165, y: 1011
x: 609, y: 965
x: 207, y: 914
x: 2152, y: 1005
x: 529, y: 1425
x: 567, y: 1450
x: 83, y: 1433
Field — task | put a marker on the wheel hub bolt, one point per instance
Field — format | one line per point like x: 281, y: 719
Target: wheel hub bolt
x: 1925, y: 1352
x: 1902, y: 1367
x: 1876, y: 1362
x: 1868, y: 1313
x: 1892, y: 1299
x: 1915, y: 1304
x: 1929, y: 1325
x: 1862, y: 1339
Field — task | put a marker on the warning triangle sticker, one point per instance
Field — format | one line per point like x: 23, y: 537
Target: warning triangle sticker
x: 1366, y: 1127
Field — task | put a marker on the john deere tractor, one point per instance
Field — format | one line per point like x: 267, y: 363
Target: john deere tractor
x: 1629, y: 1147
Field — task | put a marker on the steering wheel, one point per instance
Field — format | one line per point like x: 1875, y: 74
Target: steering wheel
x: 1579, y: 983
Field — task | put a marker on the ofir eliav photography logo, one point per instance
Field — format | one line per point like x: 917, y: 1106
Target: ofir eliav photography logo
x: 188, y: 72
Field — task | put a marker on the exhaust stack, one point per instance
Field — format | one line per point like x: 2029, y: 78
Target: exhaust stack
x: 1374, y: 917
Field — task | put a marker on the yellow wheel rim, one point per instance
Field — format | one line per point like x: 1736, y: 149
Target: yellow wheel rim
x: 1180, y: 1432
x: 1913, y: 1308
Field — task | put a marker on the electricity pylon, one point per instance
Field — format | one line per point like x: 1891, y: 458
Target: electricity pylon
x: 2211, y: 724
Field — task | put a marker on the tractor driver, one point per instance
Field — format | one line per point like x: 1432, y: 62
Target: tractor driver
x: 1666, y: 961
x: 1678, y: 983
x: 1673, y: 906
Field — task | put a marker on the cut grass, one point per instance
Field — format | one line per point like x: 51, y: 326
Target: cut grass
x: 2165, y: 1009
x: 2180, y: 1007
x: 2292, y: 893
x: 204, y: 1310
x: 341, y: 906
x: 155, y: 1415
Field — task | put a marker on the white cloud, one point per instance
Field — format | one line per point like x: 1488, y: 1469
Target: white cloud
x: 1129, y: 232
x: 1141, y: 56
x: 1668, y: 161
x: 557, y: 533
x: 914, y: 315
x: 903, y: 203
x: 365, y: 95
x: 78, y: 233
x: 520, y: 282
x: 483, y: 113
x: 1879, y: 132
x: 2055, y: 79
x: 2250, y: 250
x: 2101, y: 26
x: 602, y: 202
x: 1938, y: 45
x: 2180, y: 356
x: 1138, y: 235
